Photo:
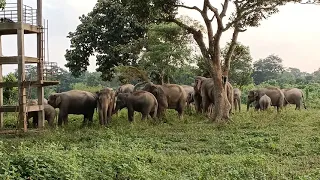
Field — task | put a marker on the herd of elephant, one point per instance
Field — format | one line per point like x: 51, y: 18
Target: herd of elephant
x: 152, y: 99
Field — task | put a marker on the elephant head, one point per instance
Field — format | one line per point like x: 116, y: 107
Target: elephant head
x: 121, y: 101
x: 105, y: 102
x: 197, y: 83
x: 54, y: 100
x: 252, y: 96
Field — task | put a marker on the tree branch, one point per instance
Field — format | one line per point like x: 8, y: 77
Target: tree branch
x: 224, y: 8
x: 242, y: 14
x: 231, y: 49
x: 189, y: 7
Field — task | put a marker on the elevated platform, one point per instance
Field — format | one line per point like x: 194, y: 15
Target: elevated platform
x: 29, y: 83
x: 11, y: 28
x: 16, y: 108
x: 15, y: 60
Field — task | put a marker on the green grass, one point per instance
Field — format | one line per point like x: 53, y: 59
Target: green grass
x: 254, y: 145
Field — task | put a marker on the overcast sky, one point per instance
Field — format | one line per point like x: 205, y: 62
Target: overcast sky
x: 293, y: 34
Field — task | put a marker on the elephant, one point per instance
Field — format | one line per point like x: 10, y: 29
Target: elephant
x: 190, y: 92
x: 237, y: 99
x: 197, y: 92
x: 207, y: 93
x: 294, y: 96
x: 73, y: 102
x: 106, y: 104
x: 140, y: 101
x: 49, y: 113
x: 126, y: 88
x: 169, y: 96
x: 275, y: 94
x: 264, y: 102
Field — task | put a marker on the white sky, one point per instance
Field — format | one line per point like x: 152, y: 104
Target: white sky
x: 293, y: 33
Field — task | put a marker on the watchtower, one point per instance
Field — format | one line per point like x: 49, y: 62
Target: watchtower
x: 19, y: 19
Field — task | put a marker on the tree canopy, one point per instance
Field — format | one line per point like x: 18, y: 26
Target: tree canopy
x: 268, y: 68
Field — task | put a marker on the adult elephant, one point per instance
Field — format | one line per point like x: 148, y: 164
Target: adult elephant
x: 190, y: 92
x: 169, y: 96
x: 49, y: 113
x: 207, y: 93
x: 126, y: 88
x: 275, y: 94
x: 294, y: 96
x: 197, y: 92
x: 73, y: 102
x: 106, y: 103
x: 140, y: 101
x: 237, y: 99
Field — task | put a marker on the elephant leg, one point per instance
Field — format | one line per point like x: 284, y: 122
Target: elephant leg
x: 180, y: 110
x: 50, y: 119
x: 66, y: 120
x: 110, y: 113
x: 205, y: 105
x: 61, y: 117
x: 130, y: 114
x: 144, y: 116
x: 100, y: 116
x: 235, y: 102
x: 90, y: 117
x: 239, y: 104
x: 35, y: 120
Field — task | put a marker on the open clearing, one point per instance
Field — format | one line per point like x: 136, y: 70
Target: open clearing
x: 255, y: 145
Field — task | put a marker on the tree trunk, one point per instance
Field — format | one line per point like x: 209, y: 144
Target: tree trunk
x: 162, y: 78
x: 222, y: 105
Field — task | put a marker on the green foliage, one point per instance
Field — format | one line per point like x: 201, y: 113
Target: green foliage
x: 255, y: 145
x: 111, y: 31
x: 166, y: 51
x: 130, y: 74
x: 267, y: 69
x: 83, y: 87
x: 240, y: 64
x: 10, y: 95
x: 2, y: 4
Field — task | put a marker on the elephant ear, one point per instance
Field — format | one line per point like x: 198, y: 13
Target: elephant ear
x: 256, y: 95
x: 198, y: 84
x: 58, y: 100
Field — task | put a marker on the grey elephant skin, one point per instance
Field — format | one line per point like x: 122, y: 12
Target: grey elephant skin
x: 190, y: 91
x: 294, y: 96
x: 73, y: 102
x: 106, y: 102
x: 126, y: 88
x: 140, y: 101
x: 206, y: 87
x: 197, y: 93
x: 275, y: 94
x: 237, y: 99
x: 49, y: 113
x: 264, y: 102
x: 169, y: 96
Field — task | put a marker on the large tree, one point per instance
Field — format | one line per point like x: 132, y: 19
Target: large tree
x: 110, y: 31
x: 247, y: 13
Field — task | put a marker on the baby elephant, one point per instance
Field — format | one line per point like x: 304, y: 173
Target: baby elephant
x: 141, y: 101
x: 264, y: 102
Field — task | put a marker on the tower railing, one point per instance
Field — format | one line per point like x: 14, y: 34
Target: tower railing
x: 10, y: 14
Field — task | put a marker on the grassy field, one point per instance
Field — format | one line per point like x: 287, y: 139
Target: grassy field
x: 255, y: 145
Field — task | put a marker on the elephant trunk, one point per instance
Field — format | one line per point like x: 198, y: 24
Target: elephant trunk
x: 248, y: 104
